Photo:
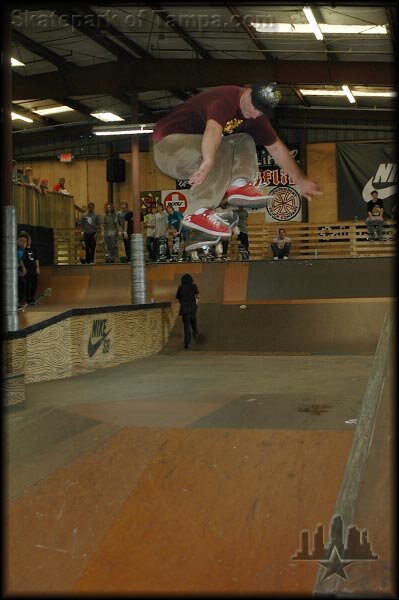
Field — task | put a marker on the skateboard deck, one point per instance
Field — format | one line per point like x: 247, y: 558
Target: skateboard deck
x: 121, y: 249
x: 162, y: 255
x: 37, y: 300
x: 204, y: 247
x: 175, y: 248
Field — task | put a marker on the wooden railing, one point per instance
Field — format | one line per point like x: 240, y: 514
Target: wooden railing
x: 334, y: 240
x: 50, y: 210
x: 316, y: 240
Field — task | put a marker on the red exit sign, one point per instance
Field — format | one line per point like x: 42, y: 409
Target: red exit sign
x: 66, y: 157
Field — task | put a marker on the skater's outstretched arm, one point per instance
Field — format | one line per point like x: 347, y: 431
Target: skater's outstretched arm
x: 211, y: 141
x: 280, y: 153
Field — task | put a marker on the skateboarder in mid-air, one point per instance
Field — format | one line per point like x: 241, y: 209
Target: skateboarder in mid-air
x: 210, y: 139
x: 188, y: 295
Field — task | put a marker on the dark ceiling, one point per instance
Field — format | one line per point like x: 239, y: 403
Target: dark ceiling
x: 147, y: 58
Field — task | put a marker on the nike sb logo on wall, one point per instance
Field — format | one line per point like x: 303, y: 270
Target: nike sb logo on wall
x: 98, y: 337
x: 385, y: 173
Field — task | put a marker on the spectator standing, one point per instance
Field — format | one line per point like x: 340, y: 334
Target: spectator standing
x: 281, y: 245
x: 14, y: 171
x: 32, y: 266
x: 375, y: 217
x: 149, y: 230
x: 161, y: 230
x: 110, y: 224
x: 27, y: 176
x: 19, y: 177
x: 175, y: 220
x: 44, y: 186
x: 242, y: 226
x: 120, y: 215
x: 22, y: 241
x: 60, y: 186
x: 36, y: 185
x: 127, y: 232
x: 90, y: 222
x: 188, y: 295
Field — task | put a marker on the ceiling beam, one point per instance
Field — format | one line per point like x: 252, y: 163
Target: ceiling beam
x: 175, y: 27
x: 391, y: 24
x: 251, y: 33
x: 79, y: 22
x: 40, y: 50
x: 304, y: 101
x: 321, y: 114
x: 26, y: 112
x: 65, y: 65
x: 160, y: 74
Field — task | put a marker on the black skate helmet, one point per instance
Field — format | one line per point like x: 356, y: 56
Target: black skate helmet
x: 265, y: 96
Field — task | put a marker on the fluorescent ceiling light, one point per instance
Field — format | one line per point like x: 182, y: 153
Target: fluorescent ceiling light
x: 343, y: 93
x: 349, y: 94
x: 324, y: 28
x: 312, y: 22
x: 124, y: 129
x: 322, y: 92
x: 53, y: 110
x: 108, y: 117
x: 16, y: 63
x: 17, y: 117
x: 376, y: 94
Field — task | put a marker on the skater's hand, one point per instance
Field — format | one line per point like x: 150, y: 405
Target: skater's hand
x: 200, y: 174
x: 308, y: 188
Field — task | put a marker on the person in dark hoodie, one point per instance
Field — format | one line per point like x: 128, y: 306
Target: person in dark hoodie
x: 187, y: 294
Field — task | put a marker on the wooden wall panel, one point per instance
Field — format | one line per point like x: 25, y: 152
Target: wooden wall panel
x: 13, y: 371
x: 322, y: 168
x: 86, y: 179
x: 97, y: 186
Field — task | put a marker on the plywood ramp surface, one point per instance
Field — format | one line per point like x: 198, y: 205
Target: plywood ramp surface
x: 220, y: 511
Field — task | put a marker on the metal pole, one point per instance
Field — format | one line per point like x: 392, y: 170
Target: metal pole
x: 137, y: 252
x: 110, y: 183
x: 9, y: 232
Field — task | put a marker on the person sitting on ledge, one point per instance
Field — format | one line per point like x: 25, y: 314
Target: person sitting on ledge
x: 375, y: 217
x: 281, y: 245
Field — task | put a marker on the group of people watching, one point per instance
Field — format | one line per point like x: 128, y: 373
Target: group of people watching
x: 25, y: 177
x: 28, y: 269
x: 156, y: 225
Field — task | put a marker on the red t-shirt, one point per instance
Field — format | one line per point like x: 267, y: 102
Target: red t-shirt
x: 222, y: 104
x: 57, y: 187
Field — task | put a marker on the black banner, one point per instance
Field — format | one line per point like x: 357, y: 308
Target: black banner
x: 362, y: 168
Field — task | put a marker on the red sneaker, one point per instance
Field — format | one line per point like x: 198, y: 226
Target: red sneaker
x: 207, y: 220
x: 247, y: 196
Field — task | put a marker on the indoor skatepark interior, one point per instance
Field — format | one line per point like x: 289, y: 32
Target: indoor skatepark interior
x: 170, y: 471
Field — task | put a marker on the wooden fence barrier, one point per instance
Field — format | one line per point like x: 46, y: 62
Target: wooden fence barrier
x: 53, y: 210
x: 316, y: 240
